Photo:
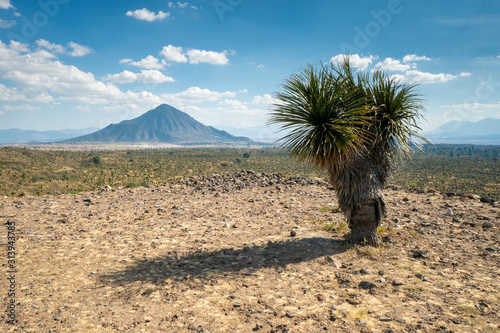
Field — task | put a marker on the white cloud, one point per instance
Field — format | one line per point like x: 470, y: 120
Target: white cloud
x: 265, y: 100
x: 147, y: 15
x: 4, y: 24
x: 39, y: 78
x: 23, y: 107
x: 125, y: 61
x: 259, y: 66
x: 390, y: 64
x: 415, y: 76
x: 42, y: 43
x: 173, y: 53
x: 225, y: 116
x: 180, y: 5
x: 41, y: 55
x: 19, y: 47
x: 13, y: 95
x: 149, y: 62
x: 153, y: 76
x: 474, y: 106
x: 356, y: 60
x: 79, y: 50
x: 196, y: 95
x: 145, y: 76
x: 211, y: 57
x: 233, y: 104
x: 414, y: 57
x: 5, y: 4
x: 123, y: 77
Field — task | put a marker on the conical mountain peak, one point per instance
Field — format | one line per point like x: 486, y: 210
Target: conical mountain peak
x: 163, y: 124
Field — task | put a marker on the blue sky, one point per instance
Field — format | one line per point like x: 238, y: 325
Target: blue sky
x: 78, y: 64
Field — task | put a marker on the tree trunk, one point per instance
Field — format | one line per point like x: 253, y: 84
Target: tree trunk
x: 364, y: 220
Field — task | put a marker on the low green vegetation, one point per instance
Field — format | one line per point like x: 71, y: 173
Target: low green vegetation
x: 465, y: 169
x: 40, y: 172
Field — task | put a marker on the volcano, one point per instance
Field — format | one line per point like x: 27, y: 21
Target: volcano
x: 164, y: 124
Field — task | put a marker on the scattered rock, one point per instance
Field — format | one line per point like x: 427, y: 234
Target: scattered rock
x: 420, y: 253
x: 397, y: 283
x: 364, y: 271
x: 333, y: 262
x: 387, y: 239
x: 487, y: 225
x: 361, y: 323
x: 293, y: 233
x: 449, y: 212
x: 487, y: 200
x: 385, y: 319
x: 257, y: 327
x: 367, y: 285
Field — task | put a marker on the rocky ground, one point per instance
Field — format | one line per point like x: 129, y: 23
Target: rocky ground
x: 248, y: 252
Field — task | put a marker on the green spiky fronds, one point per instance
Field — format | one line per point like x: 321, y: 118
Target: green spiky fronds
x: 355, y: 125
x: 325, y: 120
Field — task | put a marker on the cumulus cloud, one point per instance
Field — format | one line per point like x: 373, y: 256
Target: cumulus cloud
x: 265, y: 100
x: 14, y: 95
x: 414, y: 57
x: 145, y: 76
x: 473, y: 106
x: 211, y: 57
x: 22, y: 107
x: 5, y: 4
x: 356, y: 60
x: 196, y: 95
x: 147, y: 15
x: 233, y: 104
x: 79, y: 50
x: 125, y: 61
x: 415, y: 76
x: 177, y: 54
x: 42, y: 43
x: 39, y: 78
x: 19, y: 47
x: 390, y: 64
x: 173, y: 53
x: 179, y: 4
x: 4, y: 24
x: 149, y: 62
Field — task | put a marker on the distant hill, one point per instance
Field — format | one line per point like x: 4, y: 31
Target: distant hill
x: 17, y: 135
x: 486, y: 131
x: 164, y: 124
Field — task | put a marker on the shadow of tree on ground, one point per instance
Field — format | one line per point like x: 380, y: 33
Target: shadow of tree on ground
x: 226, y: 261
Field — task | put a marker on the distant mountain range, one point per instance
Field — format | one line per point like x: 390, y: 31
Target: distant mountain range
x: 486, y: 131
x: 164, y: 124
x: 18, y: 135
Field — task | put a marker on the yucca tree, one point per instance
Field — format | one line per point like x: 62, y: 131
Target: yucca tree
x: 355, y: 126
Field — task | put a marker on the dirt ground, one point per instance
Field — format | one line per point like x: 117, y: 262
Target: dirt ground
x: 260, y: 254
